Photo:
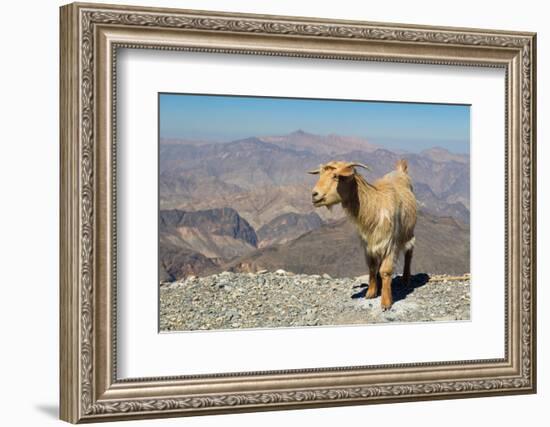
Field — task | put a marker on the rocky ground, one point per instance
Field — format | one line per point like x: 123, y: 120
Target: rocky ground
x: 282, y: 299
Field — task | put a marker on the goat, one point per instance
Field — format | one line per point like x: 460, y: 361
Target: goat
x: 384, y: 213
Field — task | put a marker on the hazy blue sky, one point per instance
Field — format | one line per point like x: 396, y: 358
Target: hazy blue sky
x: 408, y: 126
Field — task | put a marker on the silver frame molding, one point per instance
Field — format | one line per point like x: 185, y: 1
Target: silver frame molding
x: 90, y: 37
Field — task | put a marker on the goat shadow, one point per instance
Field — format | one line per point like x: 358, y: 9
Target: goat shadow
x: 398, y: 289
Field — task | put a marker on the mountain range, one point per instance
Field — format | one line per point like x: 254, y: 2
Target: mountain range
x: 245, y: 204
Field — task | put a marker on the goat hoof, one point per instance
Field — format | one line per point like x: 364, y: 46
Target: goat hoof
x: 370, y: 295
x: 386, y: 307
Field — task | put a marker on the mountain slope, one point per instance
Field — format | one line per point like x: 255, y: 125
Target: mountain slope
x: 442, y: 246
x: 287, y: 227
x: 238, y: 165
x: 193, y: 242
x: 176, y: 262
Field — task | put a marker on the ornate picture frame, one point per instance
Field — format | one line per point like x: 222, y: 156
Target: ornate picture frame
x: 90, y: 37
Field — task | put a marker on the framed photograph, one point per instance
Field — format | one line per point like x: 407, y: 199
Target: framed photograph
x: 267, y: 212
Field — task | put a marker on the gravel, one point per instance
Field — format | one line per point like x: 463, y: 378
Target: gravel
x: 282, y: 299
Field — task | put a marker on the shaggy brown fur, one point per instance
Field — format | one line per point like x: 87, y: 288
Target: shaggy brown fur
x: 384, y: 213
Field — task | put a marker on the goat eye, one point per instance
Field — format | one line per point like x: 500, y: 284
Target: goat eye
x: 335, y: 177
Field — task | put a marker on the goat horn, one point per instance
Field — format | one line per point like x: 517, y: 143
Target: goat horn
x: 361, y: 165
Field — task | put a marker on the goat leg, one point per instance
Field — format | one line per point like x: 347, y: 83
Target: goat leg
x: 407, y: 267
x: 372, y: 291
x: 386, y: 271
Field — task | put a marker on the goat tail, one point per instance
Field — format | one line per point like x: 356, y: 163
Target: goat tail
x: 402, y: 166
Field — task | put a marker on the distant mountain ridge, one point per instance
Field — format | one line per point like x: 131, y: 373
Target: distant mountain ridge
x: 440, y: 154
x: 320, y: 144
